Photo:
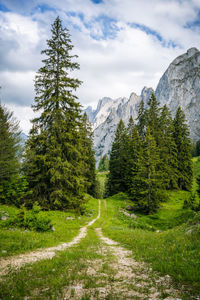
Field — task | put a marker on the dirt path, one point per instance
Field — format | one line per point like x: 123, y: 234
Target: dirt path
x: 17, y: 261
x: 116, y: 275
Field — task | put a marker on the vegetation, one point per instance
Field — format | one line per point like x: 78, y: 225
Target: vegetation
x: 151, y: 157
x: 18, y: 239
x: 58, y: 161
x: 12, y: 185
x: 103, y: 164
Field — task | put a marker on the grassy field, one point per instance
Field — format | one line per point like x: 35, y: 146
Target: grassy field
x: 15, y: 240
x: 168, y: 240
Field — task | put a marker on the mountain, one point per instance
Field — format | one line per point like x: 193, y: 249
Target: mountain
x: 179, y: 85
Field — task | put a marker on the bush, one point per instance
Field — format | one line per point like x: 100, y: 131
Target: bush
x: 13, y: 191
x: 32, y: 219
x: 192, y: 202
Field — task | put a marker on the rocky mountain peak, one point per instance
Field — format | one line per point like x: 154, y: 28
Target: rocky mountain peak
x: 179, y: 86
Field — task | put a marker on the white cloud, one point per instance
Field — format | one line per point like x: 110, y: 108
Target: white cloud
x: 114, y: 66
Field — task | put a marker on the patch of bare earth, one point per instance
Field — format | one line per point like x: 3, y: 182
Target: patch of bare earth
x: 17, y: 261
x: 118, y: 276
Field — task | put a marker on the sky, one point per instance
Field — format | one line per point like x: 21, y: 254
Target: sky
x: 122, y: 45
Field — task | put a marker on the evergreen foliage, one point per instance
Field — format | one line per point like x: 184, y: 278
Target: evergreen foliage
x: 184, y: 147
x: 103, y: 164
x: 147, y: 182
x: 116, y: 181
x: 141, y: 120
x: 10, y: 190
x: 151, y: 157
x: 153, y: 118
x: 133, y: 150
x: 168, y: 150
x: 54, y: 159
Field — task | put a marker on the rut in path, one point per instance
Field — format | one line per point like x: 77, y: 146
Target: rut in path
x: 47, y: 253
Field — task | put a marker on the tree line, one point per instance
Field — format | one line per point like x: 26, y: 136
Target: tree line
x: 151, y: 157
x: 58, y: 164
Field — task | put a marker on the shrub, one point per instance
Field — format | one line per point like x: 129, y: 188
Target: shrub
x: 31, y: 219
x: 14, y: 190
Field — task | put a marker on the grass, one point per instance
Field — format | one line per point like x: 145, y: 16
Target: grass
x: 52, y: 279
x: 15, y: 241
x: 101, y: 177
x: 168, y: 240
x: 173, y: 251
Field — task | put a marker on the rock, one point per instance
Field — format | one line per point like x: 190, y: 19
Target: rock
x: 70, y: 218
x: 133, y: 216
x: 179, y: 85
x: 130, y: 208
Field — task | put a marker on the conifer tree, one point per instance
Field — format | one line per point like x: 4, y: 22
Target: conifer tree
x: 9, y: 151
x: 53, y: 158
x: 147, y: 183
x: 142, y: 120
x: 133, y: 150
x: 168, y: 150
x: 103, y: 163
x: 184, y: 147
x: 153, y: 118
x: 116, y: 180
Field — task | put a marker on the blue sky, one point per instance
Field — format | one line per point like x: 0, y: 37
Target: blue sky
x: 122, y: 45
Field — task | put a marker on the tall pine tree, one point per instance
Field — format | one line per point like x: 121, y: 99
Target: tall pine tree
x: 9, y: 153
x: 142, y: 120
x: 184, y: 147
x: 116, y: 181
x: 168, y: 150
x: 53, y: 158
x: 146, y: 190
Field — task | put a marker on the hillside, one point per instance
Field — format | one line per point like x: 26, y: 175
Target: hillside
x: 163, y: 246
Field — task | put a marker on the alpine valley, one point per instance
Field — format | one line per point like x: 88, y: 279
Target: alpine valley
x: 179, y: 86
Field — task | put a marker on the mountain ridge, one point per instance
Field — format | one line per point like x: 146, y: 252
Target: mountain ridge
x: 178, y: 86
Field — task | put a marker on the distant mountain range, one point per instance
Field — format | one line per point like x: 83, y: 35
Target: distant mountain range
x: 179, y: 85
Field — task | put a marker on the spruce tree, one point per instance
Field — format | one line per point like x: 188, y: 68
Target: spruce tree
x: 153, y: 118
x: 53, y: 158
x: 168, y: 150
x: 184, y: 147
x: 134, y: 148
x: 146, y: 190
x: 9, y: 152
x: 141, y: 120
x: 103, y: 164
x: 117, y: 164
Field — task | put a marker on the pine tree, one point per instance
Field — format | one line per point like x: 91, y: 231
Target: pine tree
x: 116, y: 180
x: 9, y: 152
x: 142, y: 120
x: 146, y: 190
x: 184, y: 147
x: 53, y: 158
x: 153, y: 118
x: 103, y: 164
x: 168, y: 150
x: 134, y: 148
